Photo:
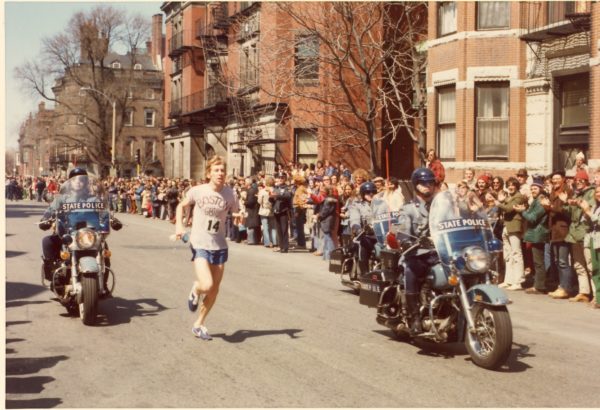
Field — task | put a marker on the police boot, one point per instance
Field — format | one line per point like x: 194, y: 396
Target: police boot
x: 47, y: 269
x: 412, y: 307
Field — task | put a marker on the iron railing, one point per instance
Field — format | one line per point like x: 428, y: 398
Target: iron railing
x: 198, y: 101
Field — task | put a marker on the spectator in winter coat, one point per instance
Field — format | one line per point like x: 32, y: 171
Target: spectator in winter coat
x: 435, y: 165
x: 537, y: 233
x: 559, y: 221
x: 327, y: 220
x: 578, y: 229
x: 252, y: 222
x: 512, y: 235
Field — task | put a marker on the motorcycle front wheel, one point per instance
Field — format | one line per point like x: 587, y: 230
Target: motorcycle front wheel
x: 88, y: 305
x: 490, y: 345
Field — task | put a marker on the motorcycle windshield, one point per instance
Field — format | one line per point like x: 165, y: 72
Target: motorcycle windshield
x: 456, y: 224
x: 82, y: 202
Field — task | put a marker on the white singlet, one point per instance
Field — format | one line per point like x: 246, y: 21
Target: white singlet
x: 210, y: 214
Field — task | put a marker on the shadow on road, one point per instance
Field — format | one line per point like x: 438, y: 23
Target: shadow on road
x: 241, y: 335
x: 451, y: 350
x: 17, y: 322
x: 21, y: 366
x: 33, y: 404
x: 18, y: 303
x: 24, y: 211
x: 118, y: 311
x: 12, y: 254
x: 19, y: 290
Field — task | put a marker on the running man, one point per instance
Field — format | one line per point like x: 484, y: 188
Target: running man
x: 212, y: 201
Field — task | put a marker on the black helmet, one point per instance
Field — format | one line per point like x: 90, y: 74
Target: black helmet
x: 422, y: 176
x: 367, y: 188
x: 77, y: 171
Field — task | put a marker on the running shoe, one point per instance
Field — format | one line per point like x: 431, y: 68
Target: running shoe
x: 193, y: 300
x: 201, y: 333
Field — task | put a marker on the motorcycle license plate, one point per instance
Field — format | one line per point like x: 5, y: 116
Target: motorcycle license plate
x: 372, y: 287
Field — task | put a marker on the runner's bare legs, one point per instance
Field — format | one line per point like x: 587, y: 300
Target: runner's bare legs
x: 208, y: 281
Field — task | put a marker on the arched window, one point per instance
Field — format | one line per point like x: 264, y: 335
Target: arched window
x: 116, y: 64
x: 137, y: 66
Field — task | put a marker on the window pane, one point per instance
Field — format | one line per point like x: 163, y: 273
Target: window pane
x: 492, y: 121
x: 575, y: 102
x: 447, y: 142
x: 493, y: 14
x: 447, y: 18
x: 446, y: 105
x: 306, y: 57
x: 307, y: 146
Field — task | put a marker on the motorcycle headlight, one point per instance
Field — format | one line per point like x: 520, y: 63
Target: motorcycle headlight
x: 476, y: 259
x: 86, y: 238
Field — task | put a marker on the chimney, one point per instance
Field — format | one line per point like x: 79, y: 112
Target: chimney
x: 42, y: 106
x: 157, y: 40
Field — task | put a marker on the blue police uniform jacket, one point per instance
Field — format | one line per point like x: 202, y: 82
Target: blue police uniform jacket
x: 413, y: 222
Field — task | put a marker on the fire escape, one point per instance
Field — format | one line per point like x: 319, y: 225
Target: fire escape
x: 201, y: 47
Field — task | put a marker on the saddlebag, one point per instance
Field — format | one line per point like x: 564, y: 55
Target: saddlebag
x: 372, y: 284
x: 337, y: 257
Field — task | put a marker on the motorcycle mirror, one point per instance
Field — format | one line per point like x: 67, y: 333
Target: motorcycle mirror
x: 494, y: 245
x: 116, y: 224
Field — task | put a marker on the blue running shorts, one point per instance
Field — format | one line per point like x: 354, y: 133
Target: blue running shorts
x: 218, y: 257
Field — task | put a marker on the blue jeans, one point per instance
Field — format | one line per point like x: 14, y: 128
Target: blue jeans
x: 252, y: 234
x: 328, y: 245
x: 566, y: 275
x: 268, y: 230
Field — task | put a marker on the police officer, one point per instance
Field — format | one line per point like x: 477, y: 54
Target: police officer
x: 413, y: 224
x: 360, y: 216
x: 51, y: 244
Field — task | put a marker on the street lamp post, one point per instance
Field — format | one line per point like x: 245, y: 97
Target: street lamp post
x: 113, y: 170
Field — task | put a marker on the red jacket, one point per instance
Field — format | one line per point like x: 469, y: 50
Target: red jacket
x: 438, y: 170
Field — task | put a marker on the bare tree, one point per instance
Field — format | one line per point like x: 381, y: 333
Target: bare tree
x: 359, y: 67
x: 80, y: 55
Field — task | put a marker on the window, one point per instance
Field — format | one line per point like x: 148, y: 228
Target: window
x: 149, y: 117
x: 80, y: 119
x: 249, y: 66
x: 575, y: 100
x: 150, y: 94
x: 130, y: 147
x: 137, y: 66
x: 130, y: 94
x: 148, y: 150
x: 116, y: 64
x: 493, y: 15
x: 492, y: 121
x: 128, y: 121
x: 306, y: 57
x: 446, y: 123
x: 307, y: 146
x: 446, y: 18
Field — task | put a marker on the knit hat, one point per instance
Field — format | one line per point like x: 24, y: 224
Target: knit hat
x: 580, y: 155
x: 484, y: 178
x: 538, y: 180
x: 581, y: 174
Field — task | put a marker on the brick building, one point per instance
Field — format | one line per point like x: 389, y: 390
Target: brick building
x: 512, y: 85
x: 35, y: 151
x: 241, y: 80
x: 78, y: 131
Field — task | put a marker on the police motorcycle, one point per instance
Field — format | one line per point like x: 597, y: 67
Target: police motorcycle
x: 82, y: 221
x: 344, y: 260
x: 458, y: 302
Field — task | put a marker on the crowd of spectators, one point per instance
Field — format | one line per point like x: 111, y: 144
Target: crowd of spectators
x: 549, y: 224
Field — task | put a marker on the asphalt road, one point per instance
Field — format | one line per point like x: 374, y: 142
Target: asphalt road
x: 286, y: 334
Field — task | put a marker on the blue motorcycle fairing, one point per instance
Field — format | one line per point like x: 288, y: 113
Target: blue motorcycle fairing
x: 487, y: 294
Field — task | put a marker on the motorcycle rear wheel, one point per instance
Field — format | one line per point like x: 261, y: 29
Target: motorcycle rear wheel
x: 88, y: 305
x: 490, y: 345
